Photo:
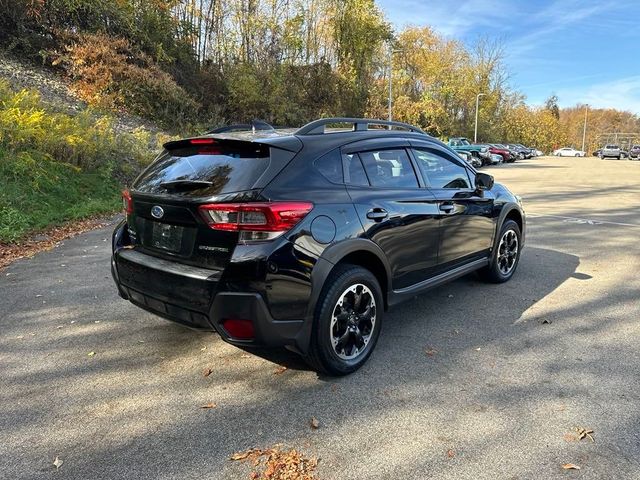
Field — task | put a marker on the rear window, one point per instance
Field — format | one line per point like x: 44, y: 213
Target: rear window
x: 389, y: 169
x: 612, y: 146
x: 198, y: 170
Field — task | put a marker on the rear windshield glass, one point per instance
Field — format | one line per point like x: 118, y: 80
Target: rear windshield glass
x: 204, y: 170
x: 611, y: 146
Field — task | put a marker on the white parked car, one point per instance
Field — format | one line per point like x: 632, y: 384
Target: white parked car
x: 568, y: 152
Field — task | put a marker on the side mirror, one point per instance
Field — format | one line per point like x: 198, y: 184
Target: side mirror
x: 484, y: 181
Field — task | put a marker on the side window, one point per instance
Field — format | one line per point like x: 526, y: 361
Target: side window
x: 389, y: 168
x: 440, y: 171
x: 354, y: 171
x: 330, y: 166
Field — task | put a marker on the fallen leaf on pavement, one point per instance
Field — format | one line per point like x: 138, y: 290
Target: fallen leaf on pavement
x: 315, y: 424
x: 584, y: 433
x: 57, y: 463
x: 570, y: 466
x: 209, y: 405
x: 241, y: 455
x: 203, y: 349
x: 430, y: 351
x: 207, y: 371
x: 451, y: 453
x: 280, y: 370
x: 91, y: 354
x: 279, y: 464
x: 46, y: 239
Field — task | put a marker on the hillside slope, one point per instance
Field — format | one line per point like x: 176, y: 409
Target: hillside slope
x: 61, y: 161
x: 56, y: 93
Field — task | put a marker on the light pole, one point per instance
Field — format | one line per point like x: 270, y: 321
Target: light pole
x: 475, y: 134
x: 391, y: 52
x: 584, y: 129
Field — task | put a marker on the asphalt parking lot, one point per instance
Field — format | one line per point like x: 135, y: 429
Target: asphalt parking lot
x: 468, y: 381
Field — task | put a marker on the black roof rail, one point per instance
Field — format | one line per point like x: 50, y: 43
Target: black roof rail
x: 243, y: 127
x: 317, y: 127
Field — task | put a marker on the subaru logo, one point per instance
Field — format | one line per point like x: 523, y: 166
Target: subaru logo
x: 157, y: 211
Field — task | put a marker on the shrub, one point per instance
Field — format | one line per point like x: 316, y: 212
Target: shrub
x: 109, y: 72
x: 56, y: 167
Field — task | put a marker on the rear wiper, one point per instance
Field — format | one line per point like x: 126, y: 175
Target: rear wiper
x: 185, y: 184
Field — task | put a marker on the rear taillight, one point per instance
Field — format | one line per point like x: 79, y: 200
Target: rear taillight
x: 127, y: 202
x: 255, y: 221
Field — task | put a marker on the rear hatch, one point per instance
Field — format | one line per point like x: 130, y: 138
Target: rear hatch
x: 164, y: 215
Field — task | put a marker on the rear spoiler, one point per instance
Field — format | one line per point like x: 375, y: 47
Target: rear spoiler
x: 289, y: 142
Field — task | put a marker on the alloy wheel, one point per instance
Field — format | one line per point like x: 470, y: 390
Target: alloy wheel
x: 507, y: 252
x: 353, y: 321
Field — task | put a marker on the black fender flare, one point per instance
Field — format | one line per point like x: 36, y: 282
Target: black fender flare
x: 507, y: 208
x: 330, y: 257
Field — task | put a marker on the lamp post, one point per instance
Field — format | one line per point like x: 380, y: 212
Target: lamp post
x: 391, y: 52
x: 475, y: 134
x: 584, y: 129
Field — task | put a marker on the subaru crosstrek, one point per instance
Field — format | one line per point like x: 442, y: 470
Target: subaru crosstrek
x: 303, y: 239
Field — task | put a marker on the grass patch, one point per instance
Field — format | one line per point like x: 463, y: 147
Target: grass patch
x: 56, y: 167
x: 50, y: 193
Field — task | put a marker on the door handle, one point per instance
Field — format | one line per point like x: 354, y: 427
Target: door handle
x: 447, y: 207
x: 377, y: 214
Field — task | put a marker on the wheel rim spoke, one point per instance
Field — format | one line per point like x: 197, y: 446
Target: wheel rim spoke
x: 353, y: 322
x: 507, y: 252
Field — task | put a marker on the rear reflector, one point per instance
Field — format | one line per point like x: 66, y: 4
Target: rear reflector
x: 274, y: 217
x: 238, y: 328
x: 127, y: 202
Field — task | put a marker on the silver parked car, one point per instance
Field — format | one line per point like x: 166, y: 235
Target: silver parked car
x: 611, y: 151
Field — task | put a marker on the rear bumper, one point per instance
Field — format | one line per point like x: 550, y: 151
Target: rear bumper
x: 198, y: 298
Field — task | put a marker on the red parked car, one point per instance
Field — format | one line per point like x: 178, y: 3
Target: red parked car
x: 503, y: 152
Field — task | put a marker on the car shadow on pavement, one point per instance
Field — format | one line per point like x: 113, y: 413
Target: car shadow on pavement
x: 451, y: 372
x: 467, y: 303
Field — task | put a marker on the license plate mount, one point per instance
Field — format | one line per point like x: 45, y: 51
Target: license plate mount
x: 167, y: 237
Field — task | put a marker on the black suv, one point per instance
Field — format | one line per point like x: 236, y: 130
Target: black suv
x: 305, y: 238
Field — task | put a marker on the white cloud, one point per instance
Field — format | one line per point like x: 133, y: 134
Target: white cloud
x: 622, y: 94
x: 558, y: 16
x: 453, y: 20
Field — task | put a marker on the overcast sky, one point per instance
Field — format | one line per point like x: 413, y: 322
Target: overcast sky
x: 584, y: 51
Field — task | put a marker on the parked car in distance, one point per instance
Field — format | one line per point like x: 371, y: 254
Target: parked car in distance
x: 624, y: 153
x: 503, y: 152
x: 462, y: 144
x: 529, y: 152
x: 303, y: 239
x: 634, y: 152
x: 568, y: 152
x: 520, y: 151
x: 475, y: 162
x: 611, y: 151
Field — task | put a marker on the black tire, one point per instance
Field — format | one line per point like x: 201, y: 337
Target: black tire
x: 323, y: 355
x: 495, y: 272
